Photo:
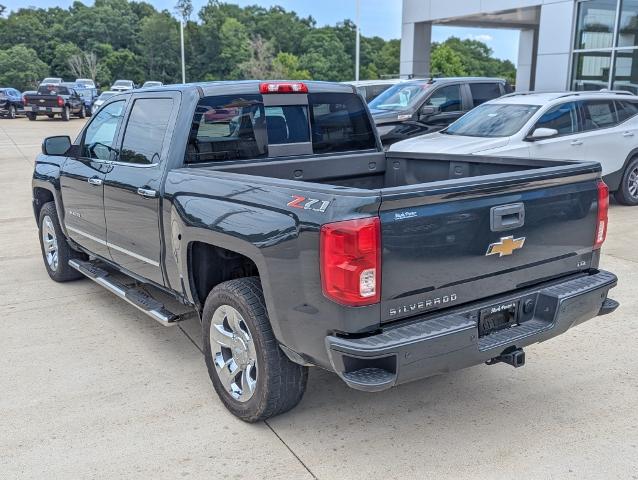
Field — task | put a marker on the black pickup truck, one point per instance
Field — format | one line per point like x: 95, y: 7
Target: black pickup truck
x: 272, y: 213
x: 55, y: 99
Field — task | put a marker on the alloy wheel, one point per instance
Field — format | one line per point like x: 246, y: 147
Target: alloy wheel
x: 234, y: 353
x: 632, y: 183
x: 50, y: 243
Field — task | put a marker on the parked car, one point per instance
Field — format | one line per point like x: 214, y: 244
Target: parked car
x: 297, y: 240
x: 122, y: 86
x: 104, y: 96
x: 87, y: 82
x: 586, y: 126
x: 152, y: 84
x: 417, y: 107
x: 11, y: 103
x: 51, y: 81
x: 52, y: 100
x: 89, y: 96
x: 371, y: 89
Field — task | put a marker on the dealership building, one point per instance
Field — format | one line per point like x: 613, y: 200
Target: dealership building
x: 564, y: 44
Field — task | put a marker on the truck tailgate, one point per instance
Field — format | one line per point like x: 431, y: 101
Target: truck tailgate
x: 446, y: 243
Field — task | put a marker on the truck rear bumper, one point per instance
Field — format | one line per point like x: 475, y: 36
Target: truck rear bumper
x: 42, y: 110
x: 436, y: 344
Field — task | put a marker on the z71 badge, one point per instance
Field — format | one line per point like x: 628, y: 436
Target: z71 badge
x: 309, y: 203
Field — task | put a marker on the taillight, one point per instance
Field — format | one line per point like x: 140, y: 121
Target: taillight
x: 283, y: 87
x: 60, y: 102
x: 351, y: 261
x: 24, y: 100
x: 603, y: 208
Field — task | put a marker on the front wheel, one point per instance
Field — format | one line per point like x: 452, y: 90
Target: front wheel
x: 627, y: 193
x: 12, y: 112
x: 32, y: 116
x: 82, y: 113
x: 66, y: 114
x: 251, y: 375
x: 56, y: 251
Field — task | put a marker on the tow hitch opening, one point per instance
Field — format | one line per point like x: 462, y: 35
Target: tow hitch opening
x: 512, y: 356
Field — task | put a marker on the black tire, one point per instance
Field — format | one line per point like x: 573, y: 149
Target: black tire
x: 60, y: 271
x: 12, y: 112
x: 32, y: 116
x: 50, y: 115
x: 66, y: 114
x: 82, y: 113
x: 627, y: 193
x: 280, y: 383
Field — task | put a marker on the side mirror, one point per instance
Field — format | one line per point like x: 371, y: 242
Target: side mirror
x: 429, y: 110
x: 57, y: 146
x: 541, y: 133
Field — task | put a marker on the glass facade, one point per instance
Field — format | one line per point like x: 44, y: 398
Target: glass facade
x: 606, y: 45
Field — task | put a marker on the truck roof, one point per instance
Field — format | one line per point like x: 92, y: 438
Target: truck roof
x: 251, y: 86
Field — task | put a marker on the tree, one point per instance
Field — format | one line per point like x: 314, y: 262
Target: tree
x: 160, y: 47
x: 260, y: 63
x: 286, y: 65
x: 84, y: 65
x: 235, y: 47
x: 325, y: 56
x: 60, y: 64
x: 21, y: 68
x: 2, y: 10
x: 124, y: 64
x: 444, y: 61
x: 185, y: 9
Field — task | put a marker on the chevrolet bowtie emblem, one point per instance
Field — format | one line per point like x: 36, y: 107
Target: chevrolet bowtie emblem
x: 505, y: 246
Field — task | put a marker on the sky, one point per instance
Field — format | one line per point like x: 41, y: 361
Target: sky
x: 378, y: 17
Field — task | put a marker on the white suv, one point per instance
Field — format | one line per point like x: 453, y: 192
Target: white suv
x: 598, y: 126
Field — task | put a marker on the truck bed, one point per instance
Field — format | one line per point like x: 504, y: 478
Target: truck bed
x: 441, y: 213
x: 378, y: 170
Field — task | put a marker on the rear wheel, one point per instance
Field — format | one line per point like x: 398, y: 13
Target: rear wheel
x: 56, y: 251
x: 82, y: 113
x: 66, y: 114
x: 50, y: 115
x: 252, y: 376
x: 627, y: 192
x: 32, y: 116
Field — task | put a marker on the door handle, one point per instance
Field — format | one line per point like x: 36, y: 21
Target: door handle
x: 95, y: 181
x: 147, y: 192
x: 576, y: 142
x: 628, y: 134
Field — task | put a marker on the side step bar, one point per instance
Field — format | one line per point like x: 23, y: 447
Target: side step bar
x: 138, y: 298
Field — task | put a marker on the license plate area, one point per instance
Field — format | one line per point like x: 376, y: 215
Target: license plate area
x: 497, y: 317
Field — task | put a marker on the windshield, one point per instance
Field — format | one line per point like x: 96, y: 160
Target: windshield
x: 105, y: 95
x: 123, y: 83
x: 152, y: 84
x: 492, y: 120
x: 401, y: 96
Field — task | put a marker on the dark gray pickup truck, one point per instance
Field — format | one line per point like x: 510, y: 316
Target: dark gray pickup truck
x: 271, y: 212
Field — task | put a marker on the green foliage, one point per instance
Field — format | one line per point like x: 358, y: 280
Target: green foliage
x: 445, y: 62
x: 21, y: 68
x: 133, y: 40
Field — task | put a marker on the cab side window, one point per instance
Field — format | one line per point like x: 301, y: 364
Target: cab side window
x: 100, y: 134
x: 145, y: 131
x: 482, y: 92
x: 563, y: 118
x: 598, y: 114
x: 447, y: 98
x: 626, y: 109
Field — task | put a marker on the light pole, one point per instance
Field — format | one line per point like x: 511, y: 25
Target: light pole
x: 357, y: 47
x: 185, y: 9
x: 181, y: 38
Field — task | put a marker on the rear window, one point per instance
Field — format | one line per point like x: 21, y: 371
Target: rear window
x: 339, y: 123
x: 238, y: 127
x: 482, y: 92
x: 53, y: 90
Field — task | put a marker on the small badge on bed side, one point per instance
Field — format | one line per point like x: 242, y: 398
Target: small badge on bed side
x: 313, y: 204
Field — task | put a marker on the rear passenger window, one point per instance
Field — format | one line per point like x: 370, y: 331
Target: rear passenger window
x: 339, y: 123
x: 145, y: 131
x: 229, y: 127
x: 598, y: 114
x: 448, y: 99
x: 626, y: 109
x: 562, y: 118
x: 482, y: 92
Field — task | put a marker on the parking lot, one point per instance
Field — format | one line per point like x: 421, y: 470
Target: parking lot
x: 92, y: 388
